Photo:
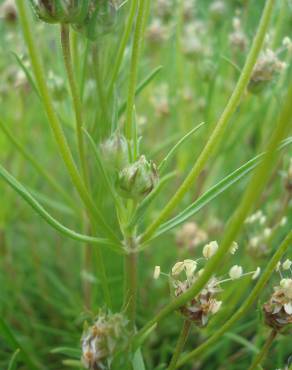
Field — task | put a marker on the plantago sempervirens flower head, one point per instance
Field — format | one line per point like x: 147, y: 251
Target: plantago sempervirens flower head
x: 265, y: 70
x: 102, y: 340
x: 278, y: 310
x: 61, y: 11
x: 138, y: 179
x: 8, y: 11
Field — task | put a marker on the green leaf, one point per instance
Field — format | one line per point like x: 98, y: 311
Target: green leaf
x: 239, y: 339
x: 177, y: 145
x: 141, y: 87
x: 27, y: 74
x: 68, y: 351
x: 7, y: 334
x: 138, y: 362
x: 13, y: 360
x: 21, y: 190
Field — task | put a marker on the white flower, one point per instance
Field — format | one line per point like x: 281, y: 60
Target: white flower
x: 215, y: 306
x: 287, y: 264
x: 256, y: 273
x: 210, y: 249
x: 177, y: 268
x: 288, y: 308
x: 267, y: 232
x: 287, y: 43
x: 278, y: 266
x: 286, y: 284
x: 283, y: 221
x: 156, y: 273
x: 235, y: 272
x: 190, y: 267
x: 233, y: 248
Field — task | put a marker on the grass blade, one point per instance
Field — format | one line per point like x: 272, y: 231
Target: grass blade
x: 177, y: 145
x: 13, y: 343
x: 141, y: 87
x: 21, y: 190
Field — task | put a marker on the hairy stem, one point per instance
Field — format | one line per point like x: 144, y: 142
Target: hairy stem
x: 131, y: 261
x: 261, y: 355
x: 65, y: 42
x: 180, y: 344
x: 218, y: 133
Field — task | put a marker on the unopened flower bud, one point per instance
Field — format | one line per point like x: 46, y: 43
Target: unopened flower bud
x: 156, y: 273
x: 61, y: 11
x: 138, y: 179
x: 115, y: 151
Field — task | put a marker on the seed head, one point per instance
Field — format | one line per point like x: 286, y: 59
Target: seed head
x: 101, y: 341
x: 278, y: 310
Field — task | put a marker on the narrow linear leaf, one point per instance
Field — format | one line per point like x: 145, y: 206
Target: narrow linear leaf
x: 101, y: 168
x: 138, y: 362
x: 13, y: 360
x: 7, y: 334
x: 38, y: 167
x: 27, y: 74
x: 177, y: 145
x: 141, y: 87
x: 21, y: 190
x: 239, y: 339
x: 68, y: 351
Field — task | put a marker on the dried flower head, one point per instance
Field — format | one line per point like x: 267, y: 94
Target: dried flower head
x: 8, y: 11
x: 190, y: 235
x: 265, y: 70
x: 238, y: 39
x: 278, y: 310
x: 101, y: 341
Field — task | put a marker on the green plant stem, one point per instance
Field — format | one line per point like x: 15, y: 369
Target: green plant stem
x: 261, y: 355
x: 65, y: 42
x: 180, y: 344
x: 137, y: 42
x: 131, y: 261
x: 252, y: 193
x: 218, y: 133
x: 56, y: 127
x: 246, y: 305
x: 123, y: 44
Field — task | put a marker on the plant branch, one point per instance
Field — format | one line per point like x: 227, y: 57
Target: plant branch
x: 180, y: 344
x: 261, y: 355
